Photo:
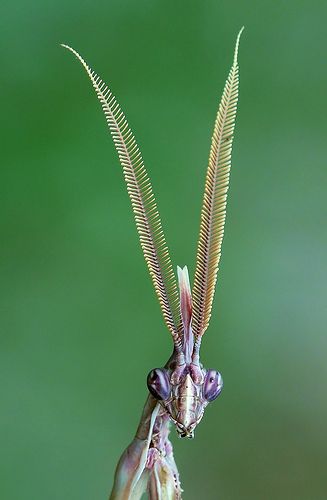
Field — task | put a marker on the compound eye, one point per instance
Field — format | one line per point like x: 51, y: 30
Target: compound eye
x: 158, y: 383
x: 213, y: 384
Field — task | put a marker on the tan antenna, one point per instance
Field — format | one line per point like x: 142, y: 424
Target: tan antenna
x: 213, y: 212
x: 144, y: 206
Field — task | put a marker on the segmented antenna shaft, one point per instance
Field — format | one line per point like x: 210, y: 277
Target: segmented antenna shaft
x: 213, y: 212
x: 144, y: 206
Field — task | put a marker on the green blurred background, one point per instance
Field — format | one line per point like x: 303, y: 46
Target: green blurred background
x: 80, y: 324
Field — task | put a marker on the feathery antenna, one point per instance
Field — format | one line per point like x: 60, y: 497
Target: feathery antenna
x: 144, y: 206
x: 213, y: 212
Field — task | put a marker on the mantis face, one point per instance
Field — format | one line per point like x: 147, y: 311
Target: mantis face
x: 184, y: 393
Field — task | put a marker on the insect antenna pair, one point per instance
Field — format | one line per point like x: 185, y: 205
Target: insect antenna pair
x: 180, y: 391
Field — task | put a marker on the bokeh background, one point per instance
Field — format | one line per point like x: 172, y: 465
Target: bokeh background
x: 80, y: 324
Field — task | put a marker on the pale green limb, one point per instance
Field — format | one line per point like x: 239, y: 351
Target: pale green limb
x: 131, y: 477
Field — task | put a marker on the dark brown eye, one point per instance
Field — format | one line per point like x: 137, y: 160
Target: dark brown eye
x: 158, y: 383
x: 213, y: 384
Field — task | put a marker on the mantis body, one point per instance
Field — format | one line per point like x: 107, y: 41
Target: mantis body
x: 179, y: 391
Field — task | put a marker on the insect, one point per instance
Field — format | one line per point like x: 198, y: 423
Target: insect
x: 181, y: 389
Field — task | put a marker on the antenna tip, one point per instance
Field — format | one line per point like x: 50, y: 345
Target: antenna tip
x: 68, y: 47
x: 237, y: 44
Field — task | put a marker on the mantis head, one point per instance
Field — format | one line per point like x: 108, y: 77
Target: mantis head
x: 184, y: 387
x: 184, y: 393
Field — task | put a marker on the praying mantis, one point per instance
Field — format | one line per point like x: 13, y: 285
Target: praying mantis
x: 181, y: 389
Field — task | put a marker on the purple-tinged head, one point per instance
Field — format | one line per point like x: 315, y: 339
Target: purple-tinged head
x: 184, y: 394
